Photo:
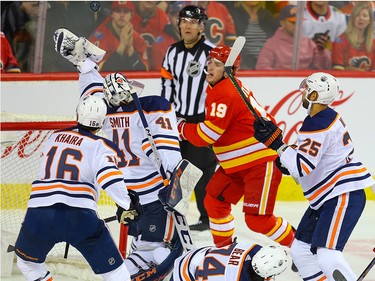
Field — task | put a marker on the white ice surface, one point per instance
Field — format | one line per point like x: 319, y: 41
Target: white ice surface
x: 358, y: 251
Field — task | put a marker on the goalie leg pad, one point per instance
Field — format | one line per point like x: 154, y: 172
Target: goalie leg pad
x: 161, y: 271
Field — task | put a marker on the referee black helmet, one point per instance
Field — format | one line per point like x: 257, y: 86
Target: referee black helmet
x: 193, y: 12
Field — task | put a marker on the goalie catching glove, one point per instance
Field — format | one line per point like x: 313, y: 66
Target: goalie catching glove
x: 135, y: 209
x: 268, y: 133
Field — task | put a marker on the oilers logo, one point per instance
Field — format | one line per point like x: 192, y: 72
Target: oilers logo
x: 193, y: 68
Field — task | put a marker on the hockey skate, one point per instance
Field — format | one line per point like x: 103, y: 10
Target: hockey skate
x: 76, y: 49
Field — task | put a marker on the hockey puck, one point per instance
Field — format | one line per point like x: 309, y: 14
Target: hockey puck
x: 95, y: 6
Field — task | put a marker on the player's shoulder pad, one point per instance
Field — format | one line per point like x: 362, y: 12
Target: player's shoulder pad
x: 320, y: 121
x: 105, y: 140
x: 155, y: 103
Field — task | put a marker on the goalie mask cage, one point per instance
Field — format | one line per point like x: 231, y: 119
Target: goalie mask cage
x: 21, y: 150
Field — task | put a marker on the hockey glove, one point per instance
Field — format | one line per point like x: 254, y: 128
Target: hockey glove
x: 135, y: 209
x: 268, y: 133
x: 180, y: 127
x: 163, y: 198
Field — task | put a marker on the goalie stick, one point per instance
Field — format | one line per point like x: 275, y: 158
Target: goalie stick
x: 179, y: 219
x: 234, y: 53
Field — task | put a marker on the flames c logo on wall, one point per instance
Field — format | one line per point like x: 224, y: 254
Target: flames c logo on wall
x: 193, y: 68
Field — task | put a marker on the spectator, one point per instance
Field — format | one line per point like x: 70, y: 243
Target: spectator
x: 322, y: 23
x: 220, y: 28
x: 125, y: 47
x: 149, y: 20
x: 69, y: 14
x: 277, y: 52
x: 19, y: 23
x: 170, y: 35
x: 257, y: 24
x: 355, y: 49
x: 8, y: 63
x: 183, y: 84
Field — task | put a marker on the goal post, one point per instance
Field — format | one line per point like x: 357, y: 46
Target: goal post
x: 21, y: 150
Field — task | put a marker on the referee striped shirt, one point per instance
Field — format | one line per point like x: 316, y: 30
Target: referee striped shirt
x: 183, y: 81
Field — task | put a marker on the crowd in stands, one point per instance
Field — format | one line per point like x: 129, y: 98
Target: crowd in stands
x: 335, y: 35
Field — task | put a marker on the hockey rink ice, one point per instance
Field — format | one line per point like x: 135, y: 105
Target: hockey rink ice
x: 358, y: 251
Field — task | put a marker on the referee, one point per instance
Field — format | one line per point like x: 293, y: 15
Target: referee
x: 184, y: 85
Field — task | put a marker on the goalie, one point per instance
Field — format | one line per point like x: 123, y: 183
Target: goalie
x: 148, y: 165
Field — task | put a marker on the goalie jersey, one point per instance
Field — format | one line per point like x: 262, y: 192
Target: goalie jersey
x: 124, y: 127
x: 323, y: 161
x: 229, y: 263
x: 75, y: 165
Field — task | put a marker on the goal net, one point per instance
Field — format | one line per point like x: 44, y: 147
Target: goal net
x: 21, y: 149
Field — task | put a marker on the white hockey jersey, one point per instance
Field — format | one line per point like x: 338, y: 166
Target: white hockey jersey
x: 324, y: 162
x: 75, y: 165
x: 334, y: 21
x: 124, y: 127
x: 229, y: 263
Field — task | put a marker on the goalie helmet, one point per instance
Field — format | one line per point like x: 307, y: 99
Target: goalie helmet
x: 91, y: 112
x: 270, y: 261
x: 117, y: 89
x: 193, y: 12
x: 324, y: 84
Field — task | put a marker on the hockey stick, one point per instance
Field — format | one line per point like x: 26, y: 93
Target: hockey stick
x: 367, y: 269
x: 234, y: 53
x: 180, y: 221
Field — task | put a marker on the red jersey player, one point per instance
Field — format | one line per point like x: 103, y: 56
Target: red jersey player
x: 247, y: 167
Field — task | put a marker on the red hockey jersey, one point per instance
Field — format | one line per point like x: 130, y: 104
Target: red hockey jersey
x: 8, y: 63
x: 220, y: 26
x: 344, y: 56
x: 150, y: 28
x: 228, y: 127
x: 105, y: 38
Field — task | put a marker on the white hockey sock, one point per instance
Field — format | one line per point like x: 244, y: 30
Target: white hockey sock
x: 31, y: 270
x: 331, y: 260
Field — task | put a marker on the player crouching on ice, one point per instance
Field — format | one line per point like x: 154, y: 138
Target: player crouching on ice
x: 63, y: 199
x: 235, y: 262
x: 145, y: 129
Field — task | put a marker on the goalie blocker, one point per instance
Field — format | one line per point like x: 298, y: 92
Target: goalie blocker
x: 176, y: 196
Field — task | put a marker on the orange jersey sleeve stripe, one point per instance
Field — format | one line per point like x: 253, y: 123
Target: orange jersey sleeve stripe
x: 331, y: 182
x: 74, y: 189
x: 114, y: 173
x: 135, y: 187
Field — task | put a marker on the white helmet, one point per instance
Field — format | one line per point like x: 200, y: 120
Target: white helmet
x: 117, y: 89
x: 270, y: 261
x: 91, y: 112
x: 324, y: 84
